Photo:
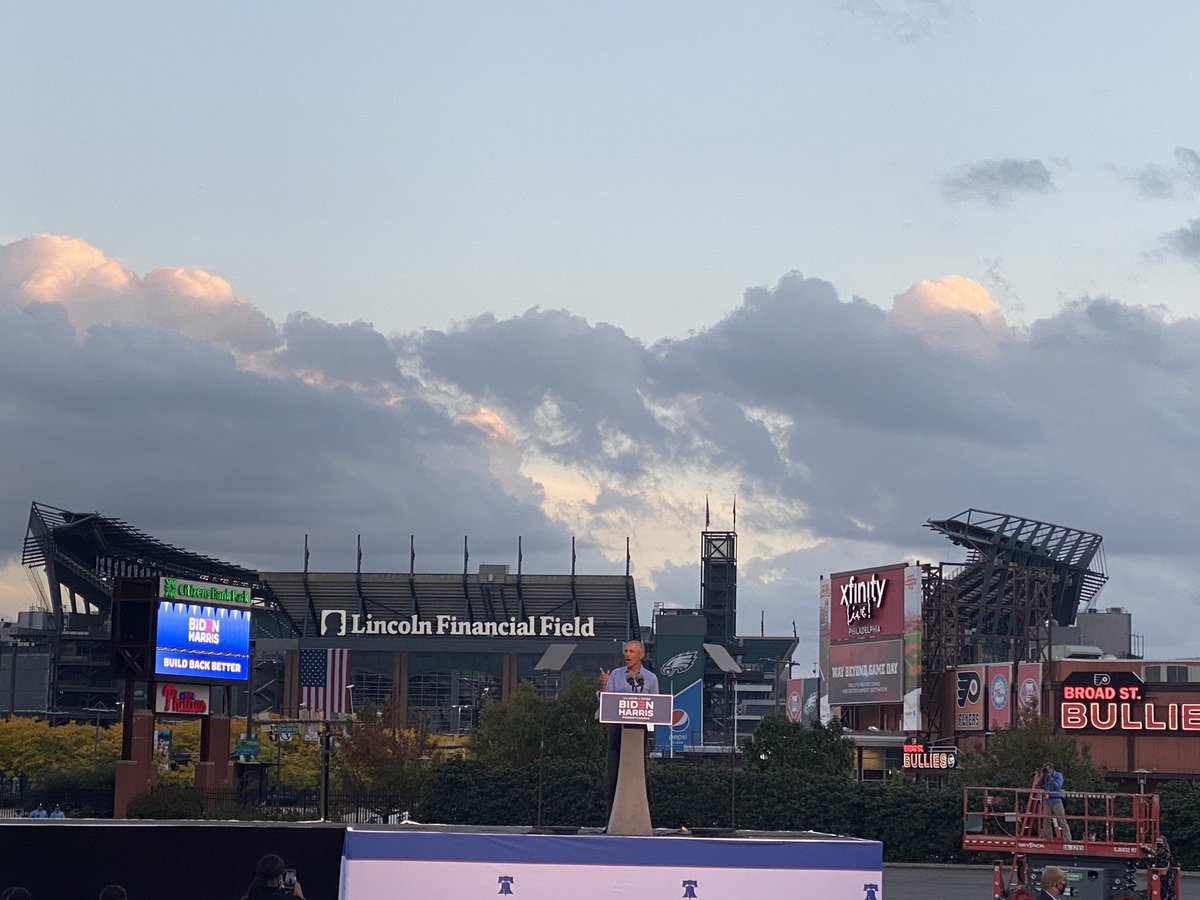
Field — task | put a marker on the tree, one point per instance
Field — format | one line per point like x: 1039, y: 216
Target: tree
x: 33, y: 748
x: 1012, y: 756
x: 376, y: 758
x: 778, y: 743
x: 511, y: 733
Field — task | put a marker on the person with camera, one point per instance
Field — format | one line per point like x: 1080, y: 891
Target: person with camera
x: 273, y: 880
x: 1051, y: 783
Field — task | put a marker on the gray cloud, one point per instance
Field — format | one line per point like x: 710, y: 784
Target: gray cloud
x: 1185, y: 241
x: 349, y: 354
x: 161, y: 430
x: 840, y: 425
x: 905, y: 20
x: 1159, y: 182
x: 998, y: 181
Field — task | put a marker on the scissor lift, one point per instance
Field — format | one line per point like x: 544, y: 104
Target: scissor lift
x: 1115, y: 835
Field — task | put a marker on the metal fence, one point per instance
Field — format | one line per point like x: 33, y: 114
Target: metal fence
x: 283, y: 805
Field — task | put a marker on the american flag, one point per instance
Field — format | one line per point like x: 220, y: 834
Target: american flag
x: 324, y: 676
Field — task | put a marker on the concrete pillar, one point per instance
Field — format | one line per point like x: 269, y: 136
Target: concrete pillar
x: 631, y: 806
x: 137, y: 774
x: 213, y: 769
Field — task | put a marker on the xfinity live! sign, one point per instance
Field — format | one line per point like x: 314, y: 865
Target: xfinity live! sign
x: 205, y: 592
x: 339, y: 623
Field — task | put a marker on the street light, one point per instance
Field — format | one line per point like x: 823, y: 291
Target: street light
x: 350, y: 694
x: 97, y: 709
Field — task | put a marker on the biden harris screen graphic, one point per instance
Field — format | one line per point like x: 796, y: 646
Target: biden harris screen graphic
x: 202, y: 642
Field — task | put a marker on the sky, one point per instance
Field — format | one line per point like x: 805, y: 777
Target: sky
x: 558, y: 270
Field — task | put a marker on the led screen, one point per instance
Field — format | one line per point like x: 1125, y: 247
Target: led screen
x: 202, y: 642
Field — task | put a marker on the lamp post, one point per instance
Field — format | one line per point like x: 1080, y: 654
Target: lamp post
x: 350, y: 696
x: 97, y: 709
x: 551, y: 662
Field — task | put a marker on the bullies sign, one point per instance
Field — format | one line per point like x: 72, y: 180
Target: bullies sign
x: 1101, y: 702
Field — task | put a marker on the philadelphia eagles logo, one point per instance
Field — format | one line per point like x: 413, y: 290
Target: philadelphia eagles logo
x: 679, y: 663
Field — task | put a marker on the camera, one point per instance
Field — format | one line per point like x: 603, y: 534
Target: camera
x: 289, y: 879
x: 1045, y: 770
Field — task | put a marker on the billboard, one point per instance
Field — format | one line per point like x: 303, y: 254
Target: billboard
x: 1116, y: 703
x: 968, y: 698
x: 205, y: 643
x: 182, y: 699
x: 1027, y: 688
x: 868, y: 672
x: 680, y: 670
x: 999, y: 695
x: 826, y: 710
x: 206, y: 592
x: 920, y: 756
x: 802, y: 700
x: 877, y: 613
x: 867, y: 605
x: 914, y: 625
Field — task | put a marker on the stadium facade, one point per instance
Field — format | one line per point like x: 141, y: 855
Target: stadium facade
x: 921, y: 660
x: 436, y: 647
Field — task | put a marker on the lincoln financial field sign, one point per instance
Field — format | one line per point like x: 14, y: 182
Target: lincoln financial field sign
x: 339, y: 623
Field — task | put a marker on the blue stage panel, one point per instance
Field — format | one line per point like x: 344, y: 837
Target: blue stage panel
x: 551, y: 867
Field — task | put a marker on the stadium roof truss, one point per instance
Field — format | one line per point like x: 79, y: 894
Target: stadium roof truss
x: 998, y: 542
x: 84, y: 552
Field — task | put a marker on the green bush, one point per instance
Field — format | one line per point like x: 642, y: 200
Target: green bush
x: 167, y: 802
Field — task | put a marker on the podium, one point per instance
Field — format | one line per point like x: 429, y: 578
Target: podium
x: 632, y: 712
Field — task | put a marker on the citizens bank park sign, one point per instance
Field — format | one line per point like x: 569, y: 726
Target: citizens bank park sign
x: 1116, y: 702
x: 339, y: 623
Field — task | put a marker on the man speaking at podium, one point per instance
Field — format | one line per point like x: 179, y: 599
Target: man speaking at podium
x: 632, y: 677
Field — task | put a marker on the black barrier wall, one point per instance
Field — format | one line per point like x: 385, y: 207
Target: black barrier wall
x: 73, y: 860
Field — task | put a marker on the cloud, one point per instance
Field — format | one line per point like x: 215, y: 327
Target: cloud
x: 905, y: 20
x: 1185, y: 241
x: 951, y: 312
x: 997, y: 181
x: 1159, y: 182
x: 840, y: 425
x: 97, y: 290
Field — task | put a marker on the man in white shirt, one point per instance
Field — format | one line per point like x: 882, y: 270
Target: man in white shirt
x: 632, y: 677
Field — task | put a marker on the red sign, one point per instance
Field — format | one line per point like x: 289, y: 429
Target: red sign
x: 870, y: 672
x: 1027, y: 689
x: 918, y: 756
x: 1100, y: 702
x: 999, y: 695
x: 866, y: 605
x: 182, y: 699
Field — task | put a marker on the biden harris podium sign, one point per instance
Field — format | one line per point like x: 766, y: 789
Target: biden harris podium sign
x: 620, y: 708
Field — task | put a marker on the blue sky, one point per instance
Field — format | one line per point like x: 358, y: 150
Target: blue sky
x: 642, y: 164
x: 531, y: 269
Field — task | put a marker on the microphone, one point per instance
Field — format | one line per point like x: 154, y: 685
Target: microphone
x: 629, y: 678
x: 641, y: 683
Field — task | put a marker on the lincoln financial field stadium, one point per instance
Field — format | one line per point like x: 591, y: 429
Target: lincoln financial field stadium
x: 437, y: 646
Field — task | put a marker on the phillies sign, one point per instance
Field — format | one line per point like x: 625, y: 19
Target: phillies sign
x: 1116, y: 702
x: 182, y: 699
x: 867, y: 604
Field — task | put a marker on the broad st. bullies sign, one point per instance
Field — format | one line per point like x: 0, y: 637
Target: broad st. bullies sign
x: 1116, y: 702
